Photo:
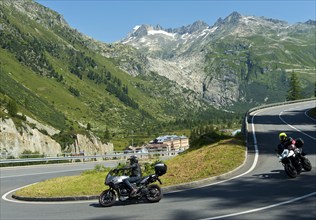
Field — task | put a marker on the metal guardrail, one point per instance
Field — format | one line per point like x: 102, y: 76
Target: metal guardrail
x: 114, y: 155
x: 279, y: 103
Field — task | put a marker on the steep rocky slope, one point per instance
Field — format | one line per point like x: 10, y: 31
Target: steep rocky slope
x: 29, y: 137
x: 218, y: 62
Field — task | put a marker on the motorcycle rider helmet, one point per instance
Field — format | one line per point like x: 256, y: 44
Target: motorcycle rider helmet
x: 282, y: 136
x: 133, y: 159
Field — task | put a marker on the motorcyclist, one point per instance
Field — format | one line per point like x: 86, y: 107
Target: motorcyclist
x: 136, y: 174
x: 285, y: 143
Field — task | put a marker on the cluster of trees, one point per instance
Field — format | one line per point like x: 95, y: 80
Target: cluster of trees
x: 114, y: 86
x: 122, y: 95
x: 12, y: 108
x: 76, y: 71
x: 79, y: 63
x: 74, y: 91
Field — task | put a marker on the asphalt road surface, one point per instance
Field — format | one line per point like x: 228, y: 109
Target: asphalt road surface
x: 258, y: 190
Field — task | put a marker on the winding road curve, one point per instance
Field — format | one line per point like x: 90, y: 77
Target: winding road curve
x: 258, y: 190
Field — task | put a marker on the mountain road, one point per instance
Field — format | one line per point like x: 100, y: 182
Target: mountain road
x: 259, y: 189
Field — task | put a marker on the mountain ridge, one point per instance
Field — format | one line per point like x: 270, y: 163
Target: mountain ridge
x: 167, y: 49
x: 200, y: 25
x: 158, y: 81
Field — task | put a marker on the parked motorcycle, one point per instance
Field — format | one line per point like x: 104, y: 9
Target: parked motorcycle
x: 145, y: 189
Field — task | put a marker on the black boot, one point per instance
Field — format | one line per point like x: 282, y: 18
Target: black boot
x: 133, y: 191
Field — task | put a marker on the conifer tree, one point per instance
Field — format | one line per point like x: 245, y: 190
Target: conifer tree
x: 107, y: 135
x: 89, y: 127
x: 12, y: 108
x: 294, y: 91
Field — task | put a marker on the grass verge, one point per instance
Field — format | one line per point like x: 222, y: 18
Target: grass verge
x: 208, y: 161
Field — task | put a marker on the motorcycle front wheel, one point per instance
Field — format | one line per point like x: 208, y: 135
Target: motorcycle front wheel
x: 154, y: 193
x: 306, y: 164
x: 107, y: 198
x: 290, y: 170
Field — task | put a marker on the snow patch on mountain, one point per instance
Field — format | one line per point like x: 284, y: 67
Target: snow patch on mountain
x: 136, y: 27
x: 154, y: 32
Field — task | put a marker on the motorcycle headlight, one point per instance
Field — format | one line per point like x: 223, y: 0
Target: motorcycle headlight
x: 285, y: 153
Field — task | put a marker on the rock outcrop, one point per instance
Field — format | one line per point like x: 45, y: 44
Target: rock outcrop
x: 90, y: 146
x: 15, y: 140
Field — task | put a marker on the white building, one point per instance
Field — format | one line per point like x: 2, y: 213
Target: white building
x: 169, y: 143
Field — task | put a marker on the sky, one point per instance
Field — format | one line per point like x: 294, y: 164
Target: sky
x: 111, y: 20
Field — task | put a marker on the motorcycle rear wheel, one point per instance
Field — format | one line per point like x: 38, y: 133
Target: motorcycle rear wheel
x: 290, y: 170
x: 154, y: 193
x: 107, y: 198
x: 307, y: 166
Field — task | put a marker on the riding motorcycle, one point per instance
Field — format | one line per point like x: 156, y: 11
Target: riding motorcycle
x: 291, y: 166
x: 145, y: 189
x: 293, y: 159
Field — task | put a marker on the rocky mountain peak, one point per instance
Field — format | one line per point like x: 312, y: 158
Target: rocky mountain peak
x: 233, y: 18
x: 158, y: 27
x: 234, y: 15
x: 310, y: 22
x: 140, y: 31
x: 196, y: 26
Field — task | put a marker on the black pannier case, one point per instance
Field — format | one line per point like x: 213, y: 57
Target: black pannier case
x: 299, y: 142
x: 160, y: 169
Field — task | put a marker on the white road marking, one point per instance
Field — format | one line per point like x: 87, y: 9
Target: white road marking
x: 262, y: 208
x: 293, y: 126
x: 4, y: 197
x: 32, y: 174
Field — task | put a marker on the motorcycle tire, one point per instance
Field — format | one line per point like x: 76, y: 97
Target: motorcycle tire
x: 307, y: 166
x: 107, y: 198
x: 298, y: 168
x: 154, y: 193
x: 290, y: 170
